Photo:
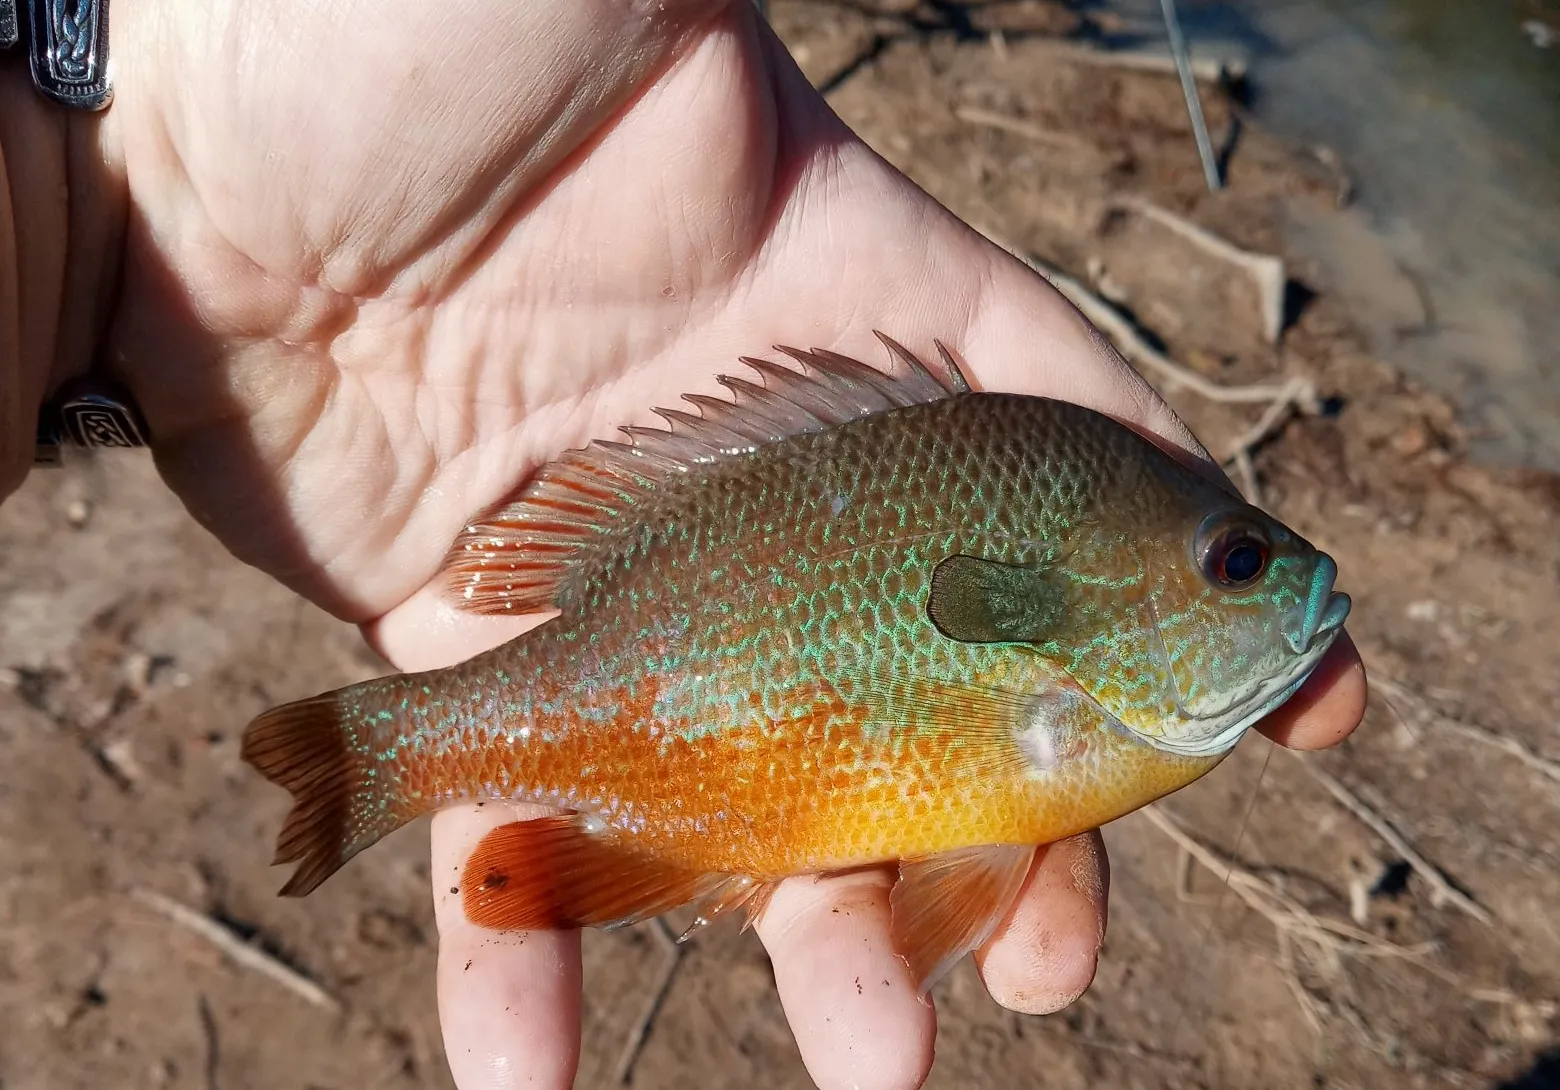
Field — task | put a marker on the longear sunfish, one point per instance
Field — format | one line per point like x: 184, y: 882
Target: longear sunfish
x: 850, y: 617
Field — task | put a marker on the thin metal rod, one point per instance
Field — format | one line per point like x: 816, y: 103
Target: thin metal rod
x: 1183, y: 65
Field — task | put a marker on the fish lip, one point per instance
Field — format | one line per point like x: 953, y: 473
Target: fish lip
x: 1323, y: 611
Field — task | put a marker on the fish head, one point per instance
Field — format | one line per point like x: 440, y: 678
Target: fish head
x: 1223, y: 614
x: 1179, y: 610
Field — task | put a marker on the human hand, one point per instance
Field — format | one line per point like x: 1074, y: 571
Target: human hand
x: 378, y: 268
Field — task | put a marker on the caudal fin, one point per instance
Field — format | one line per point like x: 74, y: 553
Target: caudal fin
x: 339, y: 806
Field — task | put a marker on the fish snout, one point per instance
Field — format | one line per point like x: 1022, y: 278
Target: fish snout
x: 1323, y: 611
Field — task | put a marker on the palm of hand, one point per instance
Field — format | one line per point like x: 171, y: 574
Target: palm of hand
x: 386, y: 281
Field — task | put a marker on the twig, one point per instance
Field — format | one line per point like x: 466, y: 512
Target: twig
x: 1183, y: 65
x: 208, y: 1026
x: 1135, y: 348
x: 1158, y: 62
x: 1298, y: 393
x: 974, y: 115
x: 1246, y: 470
x: 236, y: 948
x: 663, y: 984
x: 1265, y: 270
x: 1328, y: 939
x: 1137, y: 1052
x: 1540, y: 764
x: 1303, y: 998
x: 1442, y: 890
x: 1261, y: 896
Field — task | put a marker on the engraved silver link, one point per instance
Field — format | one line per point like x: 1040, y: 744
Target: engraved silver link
x: 10, y: 33
x: 88, y: 413
x: 68, y: 51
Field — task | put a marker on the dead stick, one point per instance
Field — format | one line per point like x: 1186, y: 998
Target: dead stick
x: 1298, y: 392
x: 1540, y: 764
x: 1183, y: 66
x: 663, y: 984
x: 1295, y: 393
x: 1292, y: 921
x: 1136, y: 349
x: 1246, y: 470
x: 1441, y: 888
x: 208, y: 1025
x: 1209, y: 69
x: 1545, y: 767
x: 236, y: 948
x: 1266, y: 271
x: 974, y: 115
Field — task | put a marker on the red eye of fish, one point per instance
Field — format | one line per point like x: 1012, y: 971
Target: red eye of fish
x: 1233, y: 557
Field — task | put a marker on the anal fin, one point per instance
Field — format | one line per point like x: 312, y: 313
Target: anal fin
x: 572, y: 871
x: 737, y: 891
x: 946, y: 905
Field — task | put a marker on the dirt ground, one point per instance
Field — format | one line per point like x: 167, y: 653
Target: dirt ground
x: 1393, y: 919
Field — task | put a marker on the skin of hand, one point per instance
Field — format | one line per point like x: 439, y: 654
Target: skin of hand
x: 367, y: 269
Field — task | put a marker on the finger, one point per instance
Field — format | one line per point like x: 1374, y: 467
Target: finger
x: 432, y: 629
x: 1327, y: 708
x: 509, y: 1002
x: 1043, y: 956
x: 848, y: 995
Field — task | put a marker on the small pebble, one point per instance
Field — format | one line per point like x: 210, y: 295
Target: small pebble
x: 1412, y: 440
x: 1363, y: 877
x: 120, y: 756
x: 137, y: 669
x: 78, y: 512
x: 1425, y: 609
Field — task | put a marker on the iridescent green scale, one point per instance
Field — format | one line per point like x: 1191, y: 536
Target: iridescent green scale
x: 805, y: 568
x: 846, y: 618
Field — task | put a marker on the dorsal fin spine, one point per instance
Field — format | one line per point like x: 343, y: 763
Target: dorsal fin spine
x: 531, y: 553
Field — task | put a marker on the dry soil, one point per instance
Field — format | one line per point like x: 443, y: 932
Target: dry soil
x: 134, y: 649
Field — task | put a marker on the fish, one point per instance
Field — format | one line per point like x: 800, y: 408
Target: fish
x: 847, y: 617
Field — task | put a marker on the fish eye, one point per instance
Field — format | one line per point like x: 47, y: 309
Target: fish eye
x: 1232, y: 555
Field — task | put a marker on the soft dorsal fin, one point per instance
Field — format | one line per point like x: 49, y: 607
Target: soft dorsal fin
x: 529, y: 554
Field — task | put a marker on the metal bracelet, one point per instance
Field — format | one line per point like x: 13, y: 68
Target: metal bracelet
x: 67, y: 48
x: 67, y: 52
x: 10, y: 34
x: 88, y: 413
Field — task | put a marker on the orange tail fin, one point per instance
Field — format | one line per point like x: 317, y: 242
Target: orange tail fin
x: 339, y: 806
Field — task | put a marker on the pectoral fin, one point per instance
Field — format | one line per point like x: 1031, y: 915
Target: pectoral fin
x: 571, y: 871
x: 983, y: 601
x: 946, y: 905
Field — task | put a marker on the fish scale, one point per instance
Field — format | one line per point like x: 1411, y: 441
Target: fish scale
x: 846, y: 619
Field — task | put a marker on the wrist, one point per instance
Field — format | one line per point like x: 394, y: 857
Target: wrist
x: 61, y: 235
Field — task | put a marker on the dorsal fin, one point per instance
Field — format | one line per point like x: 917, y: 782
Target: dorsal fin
x: 530, y: 553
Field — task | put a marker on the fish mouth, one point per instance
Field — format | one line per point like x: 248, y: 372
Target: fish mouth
x: 1321, y: 614
x: 1309, y: 630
